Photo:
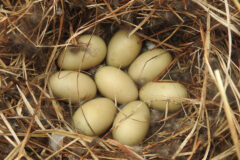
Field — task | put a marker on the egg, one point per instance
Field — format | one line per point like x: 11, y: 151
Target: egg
x: 122, y: 49
x: 94, y: 117
x: 160, y: 95
x: 91, y: 52
x: 73, y: 86
x: 115, y: 84
x: 148, y: 65
x: 132, y: 123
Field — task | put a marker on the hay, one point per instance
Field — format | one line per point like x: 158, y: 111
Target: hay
x: 202, y: 36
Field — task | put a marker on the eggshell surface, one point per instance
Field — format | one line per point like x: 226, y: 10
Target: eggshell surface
x: 73, y: 86
x: 132, y: 123
x: 115, y: 84
x: 160, y: 95
x: 91, y: 52
x: 148, y: 65
x: 95, y: 116
x: 122, y: 49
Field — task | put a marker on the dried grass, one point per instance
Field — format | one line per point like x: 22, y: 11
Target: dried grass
x: 202, y: 36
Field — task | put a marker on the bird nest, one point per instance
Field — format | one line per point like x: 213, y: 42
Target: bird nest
x: 202, y: 37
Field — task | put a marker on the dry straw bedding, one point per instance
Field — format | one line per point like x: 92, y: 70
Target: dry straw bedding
x: 202, y: 36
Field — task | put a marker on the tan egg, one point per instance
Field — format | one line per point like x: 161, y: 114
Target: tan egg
x: 132, y: 123
x: 148, y: 65
x: 91, y: 53
x: 160, y: 95
x: 122, y: 50
x: 116, y: 84
x: 74, y: 86
x: 95, y: 116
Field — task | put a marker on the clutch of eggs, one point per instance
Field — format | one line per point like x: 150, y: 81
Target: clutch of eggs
x: 130, y: 125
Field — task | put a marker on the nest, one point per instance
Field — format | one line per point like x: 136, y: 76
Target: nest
x: 202, y: 36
